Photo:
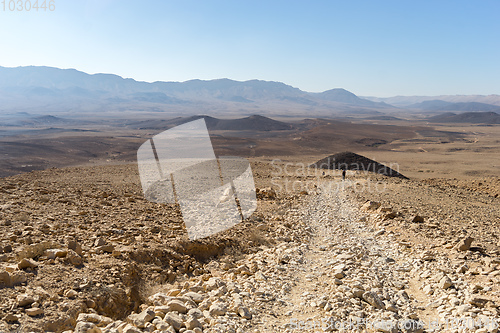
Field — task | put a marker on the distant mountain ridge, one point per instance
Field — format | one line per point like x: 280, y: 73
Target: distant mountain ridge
x: 45, y: 79
x: 69, y: 92
x: 406, y: 101
x: 439, y: 105
x: 45, y: 90
x: 467, y: 117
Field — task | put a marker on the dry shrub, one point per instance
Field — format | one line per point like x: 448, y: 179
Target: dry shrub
x: 112, y: 302
x: 257, y: 237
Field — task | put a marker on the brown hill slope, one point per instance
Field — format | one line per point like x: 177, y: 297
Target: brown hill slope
x: 251, y: 123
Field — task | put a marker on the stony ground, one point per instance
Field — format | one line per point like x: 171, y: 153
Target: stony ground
x: 83, y: 252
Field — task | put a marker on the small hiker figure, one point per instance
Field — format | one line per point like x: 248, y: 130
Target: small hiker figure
x: 343, y: 174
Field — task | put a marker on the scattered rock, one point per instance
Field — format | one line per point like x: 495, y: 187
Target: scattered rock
x: 74, y: 258
x: 86, y: 327
x: 266, y: 193
x: 55, y: 253
x: 217, y: 309
x: 173, y: 320
x: 358, y: 292
x: 95, y: 318
x: 428, y: 289
x: 339, y: 274
x: 174, y: 292
x: 353, y: 275
x: 70, y: 293
x: 24, y: 300
x: 445, y: 283
x: 5, y: 279
x: 160, y: 324
x: 417, y: 219
x: 108, y: 248
x: 465, y: 244
x: 176, y: 305
x: 11, y: 318
x: 479, y: 302
x: 142, y: 318
x: 33, y: 312
x: 192, y: 323
x: 18, y: 277
x: 427, y: 255
x: 27, y: 263
x: 244, y: 312
x: 371, y: 205
x: 99, y: 242
x: 373, y: 299
x: 196, y: 297
x: 128, y: 328
x: 75, y: 246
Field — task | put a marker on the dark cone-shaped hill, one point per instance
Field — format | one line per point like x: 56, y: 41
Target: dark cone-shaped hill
x: 353, y: 161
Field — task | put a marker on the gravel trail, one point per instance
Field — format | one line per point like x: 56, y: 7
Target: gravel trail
x: 347, y: 273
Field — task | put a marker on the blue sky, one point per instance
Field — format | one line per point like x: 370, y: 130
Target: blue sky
x: 378, y: 48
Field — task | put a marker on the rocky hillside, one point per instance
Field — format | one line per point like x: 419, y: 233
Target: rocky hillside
x: 84, y: 252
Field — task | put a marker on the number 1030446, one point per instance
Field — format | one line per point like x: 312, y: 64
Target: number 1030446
x: 27, y: 5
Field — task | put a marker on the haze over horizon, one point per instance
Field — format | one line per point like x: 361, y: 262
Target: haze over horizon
x: 371, y: 48
x: 241, y: 81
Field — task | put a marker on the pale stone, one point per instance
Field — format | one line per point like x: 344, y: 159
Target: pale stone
x: 445, y: 283
x: 173, y: 320
x: 191, y: 323
x: 196, y: 297
x: 142, y: 318
x: 25, y: 300
x: 218, y: 309
x: 86, y: 327
x: 176, y: 305
x: 32, y: 312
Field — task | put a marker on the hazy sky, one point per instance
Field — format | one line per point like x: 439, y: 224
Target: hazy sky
x: 375, y: 47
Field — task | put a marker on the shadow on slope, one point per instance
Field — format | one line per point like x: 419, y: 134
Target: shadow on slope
x: 353, y: 161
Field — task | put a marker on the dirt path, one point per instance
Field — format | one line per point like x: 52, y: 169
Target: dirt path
x: 345, y: 266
